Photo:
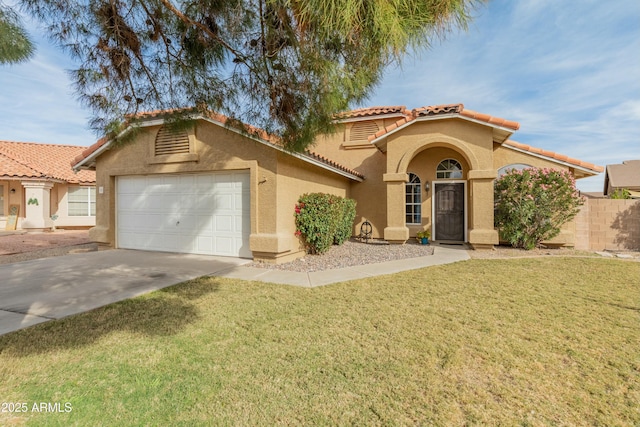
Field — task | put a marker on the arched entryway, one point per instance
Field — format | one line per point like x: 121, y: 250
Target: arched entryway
x: 456, y: 193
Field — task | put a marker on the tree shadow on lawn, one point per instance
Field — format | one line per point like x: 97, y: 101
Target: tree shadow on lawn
x: 160, y: 313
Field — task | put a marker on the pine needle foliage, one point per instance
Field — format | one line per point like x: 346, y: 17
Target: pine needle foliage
x: 15, y: 44
x: 286, y: 66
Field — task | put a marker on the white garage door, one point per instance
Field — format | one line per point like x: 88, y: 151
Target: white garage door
x: 200, y: 214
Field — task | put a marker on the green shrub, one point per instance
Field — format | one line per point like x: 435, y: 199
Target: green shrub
x: 324, y: 219
x: 344, y: 228
x: 532, y: 204
x: 620, y: 193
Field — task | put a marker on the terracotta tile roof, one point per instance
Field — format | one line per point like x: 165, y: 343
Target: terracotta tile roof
x: 554, y: 156
x: 373, y: 111
x: 330, y: 162
x: 442, y: 110
x: 29, y: 160
x: 260, y: 133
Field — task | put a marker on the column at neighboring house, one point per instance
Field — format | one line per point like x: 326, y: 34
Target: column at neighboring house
x: 396, y: 230
x: 482, y: 233
x: 37, y: 196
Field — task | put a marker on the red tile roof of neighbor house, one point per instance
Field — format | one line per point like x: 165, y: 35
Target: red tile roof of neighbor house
x: 30, y: 160
x: 224, y: 120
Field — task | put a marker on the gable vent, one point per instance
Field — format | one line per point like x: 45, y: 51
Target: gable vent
x: 171, y: 141
x: 361, y: 131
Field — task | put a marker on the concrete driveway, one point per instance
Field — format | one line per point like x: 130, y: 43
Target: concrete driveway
x: 51, y: 288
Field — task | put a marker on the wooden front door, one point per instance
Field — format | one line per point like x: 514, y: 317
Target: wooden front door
x: 449, y: 211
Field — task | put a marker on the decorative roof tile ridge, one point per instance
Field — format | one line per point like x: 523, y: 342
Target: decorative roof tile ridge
x: 372, y: 111
x: 433, y: 110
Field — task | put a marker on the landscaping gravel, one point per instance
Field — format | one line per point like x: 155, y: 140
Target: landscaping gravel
x: 350, y: 254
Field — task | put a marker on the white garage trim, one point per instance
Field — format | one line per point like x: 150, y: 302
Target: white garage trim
x: 204, y: 213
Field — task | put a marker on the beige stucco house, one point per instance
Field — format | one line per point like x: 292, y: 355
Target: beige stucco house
x: 213, y: 190
x: 39, y: 190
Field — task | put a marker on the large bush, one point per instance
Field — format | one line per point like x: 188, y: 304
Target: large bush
x: 532, y: 204
x: 324, y: 219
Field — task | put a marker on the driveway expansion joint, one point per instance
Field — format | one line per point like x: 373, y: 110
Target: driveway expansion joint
x: 26, y: 313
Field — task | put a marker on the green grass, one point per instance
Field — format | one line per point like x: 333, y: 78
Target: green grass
x: 553, y: 341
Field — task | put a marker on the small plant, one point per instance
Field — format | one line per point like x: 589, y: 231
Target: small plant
x: 426, y: 234
x: 620, y: 193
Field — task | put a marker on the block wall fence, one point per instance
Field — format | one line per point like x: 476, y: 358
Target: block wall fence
x: 608, y: 224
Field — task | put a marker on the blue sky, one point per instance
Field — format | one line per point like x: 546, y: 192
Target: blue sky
x: 567, y: 71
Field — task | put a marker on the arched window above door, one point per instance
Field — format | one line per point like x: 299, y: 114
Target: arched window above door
x: 516, y: 166
x: 413, y: 200
x: 449, y: 169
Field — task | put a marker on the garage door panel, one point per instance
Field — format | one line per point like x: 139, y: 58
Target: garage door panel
x: 223, y: 224
x: 197, y: 213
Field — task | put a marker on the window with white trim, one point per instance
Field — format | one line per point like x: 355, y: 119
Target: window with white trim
x: 449, y: 169
x: 413, y: 197
x: 81, y: 201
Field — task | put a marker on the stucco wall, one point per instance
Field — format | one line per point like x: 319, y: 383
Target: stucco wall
x: 608, y: 224
x: 370, y: 194
x: 276, y: 181
x: 294, y: 179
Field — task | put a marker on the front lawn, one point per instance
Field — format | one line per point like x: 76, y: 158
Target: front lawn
x: 501, y: 342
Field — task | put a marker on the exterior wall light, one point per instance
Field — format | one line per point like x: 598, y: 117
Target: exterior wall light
x: 426, y: 186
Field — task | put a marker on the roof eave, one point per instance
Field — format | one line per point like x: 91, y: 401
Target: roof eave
x: 300, y: 156
x: 371, y: 117
x: 587, y: 171
x: 500, y: 133
x: 89, y: 161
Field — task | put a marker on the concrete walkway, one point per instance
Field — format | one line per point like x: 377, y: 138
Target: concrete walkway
x: 44, y: 289
x: 441, y: 255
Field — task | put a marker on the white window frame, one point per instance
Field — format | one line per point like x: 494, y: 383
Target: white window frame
x: 449, y: 172
x: 517, y: 166
x: 90, y: 201
x: 413, y: 188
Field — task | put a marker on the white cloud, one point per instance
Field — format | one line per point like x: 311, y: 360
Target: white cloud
x: 569, y: 72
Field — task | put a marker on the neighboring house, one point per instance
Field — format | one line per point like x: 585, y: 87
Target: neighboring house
x: 37, y: 180
x: 214, y: 190
x: 624, y: 176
